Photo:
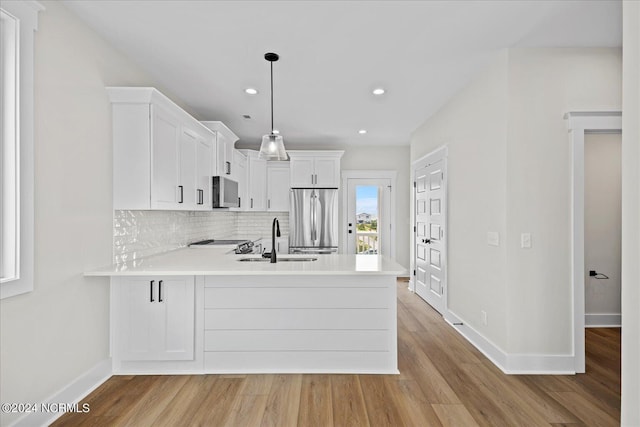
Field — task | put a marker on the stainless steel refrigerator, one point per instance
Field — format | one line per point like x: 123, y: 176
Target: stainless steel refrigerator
x: 313, y: 220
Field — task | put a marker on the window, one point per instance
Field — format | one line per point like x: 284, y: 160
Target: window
x: 18, y: 21
x: 9, y: 155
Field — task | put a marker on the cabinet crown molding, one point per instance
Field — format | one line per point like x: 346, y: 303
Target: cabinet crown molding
x: 150, y: 95
x: 221, y: 128
x: 315, y: 153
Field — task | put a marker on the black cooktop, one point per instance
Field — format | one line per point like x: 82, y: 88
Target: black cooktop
x: 218, y: 242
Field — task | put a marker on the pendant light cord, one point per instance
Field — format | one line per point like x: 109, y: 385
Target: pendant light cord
x: 271, y: 97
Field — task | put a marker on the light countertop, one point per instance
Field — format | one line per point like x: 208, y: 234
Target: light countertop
x: 216, y: 261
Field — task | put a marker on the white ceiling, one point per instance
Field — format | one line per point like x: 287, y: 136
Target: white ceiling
x: 332, y: 54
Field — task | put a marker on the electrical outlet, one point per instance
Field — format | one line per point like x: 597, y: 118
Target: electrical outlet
x: 525, y: 240
x: 483, y: 314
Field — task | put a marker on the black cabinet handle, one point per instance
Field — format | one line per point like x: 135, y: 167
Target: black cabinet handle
x: 350, y: 231
x: 268, y: 204
x: 252, y: 203
x: 160, y: 291
x: 200, y: 197
x: 181, y: 194
x: 151, y: 291
x: 239, y: 201
x: 227, y: 167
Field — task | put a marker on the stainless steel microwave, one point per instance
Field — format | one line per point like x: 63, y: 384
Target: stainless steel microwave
x: 225, y: 193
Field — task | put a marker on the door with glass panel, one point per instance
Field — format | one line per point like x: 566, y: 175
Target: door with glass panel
x: 368, y: 227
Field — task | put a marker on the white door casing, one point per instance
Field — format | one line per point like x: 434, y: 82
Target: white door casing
x: 579, y: 123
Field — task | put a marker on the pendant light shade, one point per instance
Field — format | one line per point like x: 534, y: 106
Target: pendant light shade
x: 272, y: 147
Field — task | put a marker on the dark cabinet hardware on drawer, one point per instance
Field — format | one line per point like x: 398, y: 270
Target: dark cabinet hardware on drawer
x: 160, y: 291
x: 151, y: 291
x: 181, y: 194
x: 227, y: 168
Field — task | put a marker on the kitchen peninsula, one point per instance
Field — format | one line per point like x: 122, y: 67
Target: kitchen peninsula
x: 206, y: 311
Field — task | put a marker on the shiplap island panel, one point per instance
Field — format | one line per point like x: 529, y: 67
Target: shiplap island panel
x: 333, y: 315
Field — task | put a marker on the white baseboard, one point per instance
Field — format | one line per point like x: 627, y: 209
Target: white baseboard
x: 530, y: 364
x: 72, y: 393
x: 598, y: 320
x: 486, y: 347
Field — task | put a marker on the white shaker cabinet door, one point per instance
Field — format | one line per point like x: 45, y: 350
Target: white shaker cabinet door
x: 154, y: 318
x: 278, y: 187
x: 187, y: 197
x: 257, y: 183
x: 327, y: 172
x: 165, y: 154
x: 302, y: 173
x: 204, y: 172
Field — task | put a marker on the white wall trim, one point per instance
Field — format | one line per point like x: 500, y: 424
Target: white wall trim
x: 72, y: 393
x: 515, y: 364
x: 603, y: 320
x: 393, y: 206
x: 27, y: 14
x: 579, y: 123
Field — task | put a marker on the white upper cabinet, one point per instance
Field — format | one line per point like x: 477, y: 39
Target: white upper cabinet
x: 256, y: 182
x: 240, y: 174
x: 315, y: 169
x: 204, y: 172
x: 278, y: 186
x: 225, y: 142
x: 161, y: 154
x: 165, y: 166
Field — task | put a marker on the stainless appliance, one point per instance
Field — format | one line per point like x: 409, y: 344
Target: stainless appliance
x: 313, y: 221
x: 225, y: 193
x: 239, y: 246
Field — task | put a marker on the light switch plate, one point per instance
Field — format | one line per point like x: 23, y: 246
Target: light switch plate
x: 493, y: 238
x: 525, y: 240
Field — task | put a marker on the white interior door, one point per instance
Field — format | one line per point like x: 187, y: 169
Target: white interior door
x: 368, y: 229
x: 430, y: 225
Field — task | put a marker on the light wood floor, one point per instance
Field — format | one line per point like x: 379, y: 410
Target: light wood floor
x: 443, y: 381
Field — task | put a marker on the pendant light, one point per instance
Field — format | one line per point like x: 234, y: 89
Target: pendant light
x: 272, y: 147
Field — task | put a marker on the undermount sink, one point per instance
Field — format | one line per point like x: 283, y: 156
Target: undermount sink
x: 284, y: 259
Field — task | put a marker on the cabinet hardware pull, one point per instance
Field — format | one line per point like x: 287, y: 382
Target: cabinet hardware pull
x: 181, y: 194
x: 151, y: 290
x: 239, y: 201
x: 252, y: 203
x: 227, y: 167
x: 160, y: 291
x: 269, y: 204
x: 316, y: 175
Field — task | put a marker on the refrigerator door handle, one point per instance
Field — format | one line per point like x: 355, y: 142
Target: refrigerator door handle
x: 313, y: 218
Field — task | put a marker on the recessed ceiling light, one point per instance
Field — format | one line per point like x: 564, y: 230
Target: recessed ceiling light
x: 362, y: 131
x: 251, y: 91
x: 378, y: 91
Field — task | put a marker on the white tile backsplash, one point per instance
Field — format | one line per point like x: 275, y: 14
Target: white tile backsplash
x: 138, y: 234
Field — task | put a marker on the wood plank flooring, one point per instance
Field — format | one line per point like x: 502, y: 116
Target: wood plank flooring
x: 444, y: 381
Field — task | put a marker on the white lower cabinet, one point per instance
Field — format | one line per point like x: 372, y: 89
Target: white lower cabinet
x: 153, y: 318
